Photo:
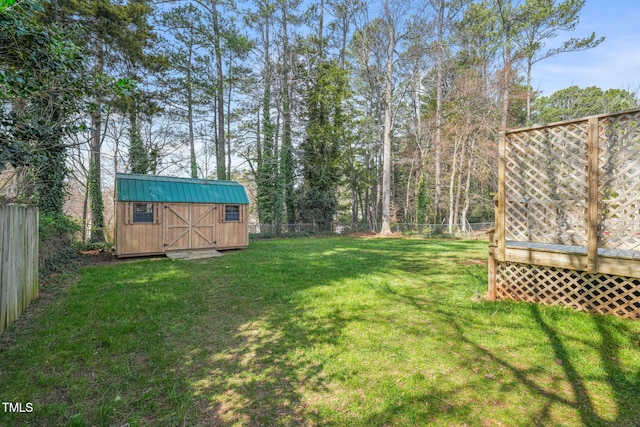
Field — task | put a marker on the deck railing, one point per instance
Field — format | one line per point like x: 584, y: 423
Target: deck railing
x: 568, y: 203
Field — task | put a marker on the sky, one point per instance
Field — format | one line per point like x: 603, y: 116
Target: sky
x: 614, y: 64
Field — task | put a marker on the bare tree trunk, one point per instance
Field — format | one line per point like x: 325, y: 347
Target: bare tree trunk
x: 354, y: 200
x: 220, y: 142
x: 454, y: 164
x: 506, y: 73
x: 408, y: 193
x: 229, y: 120
x: 192, y: 143
x: 377, y: 202
x: 366, y: 211
x: 529, y: 95
x: 456, y: 208
x: 417, y: 104
x: 386, y: 139
x: 505, y: 95
x: 343, y: 46
x: 320, y: 30
x: 85, y: 210
x: 467, y: 201
x: 439, y: 95
x: 95, y: 167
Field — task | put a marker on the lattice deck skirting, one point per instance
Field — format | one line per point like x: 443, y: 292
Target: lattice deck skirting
x: 568, y: 215
x: 596, y: 293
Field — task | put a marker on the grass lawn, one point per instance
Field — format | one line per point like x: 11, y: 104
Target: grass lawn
x: 340, y: 331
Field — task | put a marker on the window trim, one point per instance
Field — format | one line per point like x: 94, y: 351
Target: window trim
x: 153, y: 213
x: 225, y: 218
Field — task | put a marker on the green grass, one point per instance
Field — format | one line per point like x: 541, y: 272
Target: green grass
x: 340, y: 331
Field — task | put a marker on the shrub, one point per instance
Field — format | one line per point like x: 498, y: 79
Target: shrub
x: 59, y: 246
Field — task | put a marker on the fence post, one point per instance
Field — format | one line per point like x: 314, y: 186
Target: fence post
x: 4, y: 261
x: 491, y: 296
x: 592, y: 198
x: 501, y: 202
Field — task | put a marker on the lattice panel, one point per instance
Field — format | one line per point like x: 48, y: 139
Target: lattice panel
x: 546, y: 181
x: 596, y: 293
x: 619, y: 186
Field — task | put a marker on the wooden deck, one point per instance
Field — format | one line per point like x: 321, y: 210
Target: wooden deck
x: 609, y: 261
x: 568, y: 215
x: 573, y: 249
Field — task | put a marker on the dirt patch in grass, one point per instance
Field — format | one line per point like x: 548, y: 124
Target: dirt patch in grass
x: 475, y: 262
x: 102, y: 257
x: 373, y: 234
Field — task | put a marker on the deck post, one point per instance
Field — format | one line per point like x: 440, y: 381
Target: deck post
x: 500, y: 206
x: 592, y: 197
x: 491, y: 295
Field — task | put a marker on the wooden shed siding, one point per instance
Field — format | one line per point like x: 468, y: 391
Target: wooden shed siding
x: 179, y: 226
x: 140, y: 238
x: 234, y: 234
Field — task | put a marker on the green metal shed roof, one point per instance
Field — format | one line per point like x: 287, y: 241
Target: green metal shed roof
x: 151, y: 188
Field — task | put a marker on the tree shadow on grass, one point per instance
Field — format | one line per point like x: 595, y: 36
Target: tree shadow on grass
x: 260, y: 371
x: 625, y: 387
x: 608, y: 348
x: 610, y: 345
x: 239, y: 343
x: 257, y: 380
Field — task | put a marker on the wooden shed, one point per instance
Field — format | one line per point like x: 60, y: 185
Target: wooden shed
x: 568, y: 215
x: 159, y: 214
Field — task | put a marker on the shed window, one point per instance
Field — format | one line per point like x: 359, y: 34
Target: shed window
x: 232, y: 213
x: 142, y: 212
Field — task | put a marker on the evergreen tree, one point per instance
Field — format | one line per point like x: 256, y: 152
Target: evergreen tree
x: 324, y: 140
x: 186, y: 80
x: 540, y: 20
x: 574, y: 102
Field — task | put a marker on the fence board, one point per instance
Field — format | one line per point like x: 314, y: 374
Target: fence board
x: 19, y: 261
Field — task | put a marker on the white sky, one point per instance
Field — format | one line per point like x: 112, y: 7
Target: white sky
x: 614, y: 64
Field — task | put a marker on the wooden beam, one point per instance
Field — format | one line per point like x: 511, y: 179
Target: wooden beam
x: 500, y: 207
x: 493, y: 265
x: 571, y: 261
x: 574, y: 261
x: 570, y: 121
x: 619, y: 266
x: 593, y: 219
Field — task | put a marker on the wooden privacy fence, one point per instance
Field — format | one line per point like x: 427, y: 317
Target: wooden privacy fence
x: 18, y: 261
x: 568, y: 215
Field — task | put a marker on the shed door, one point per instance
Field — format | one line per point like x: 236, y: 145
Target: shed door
x: 203, y: 226
x: 189, y: 226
